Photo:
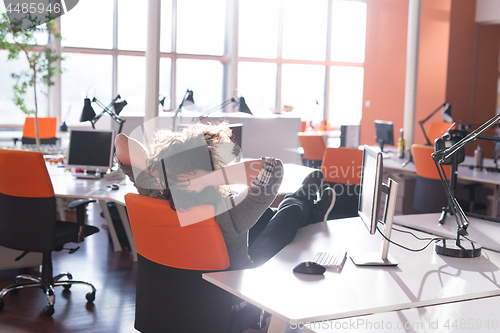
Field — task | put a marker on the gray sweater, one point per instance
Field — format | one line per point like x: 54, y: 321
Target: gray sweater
x: 235, y: 221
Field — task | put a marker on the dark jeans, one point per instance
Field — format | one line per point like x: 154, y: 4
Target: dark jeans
x: 277, y: 227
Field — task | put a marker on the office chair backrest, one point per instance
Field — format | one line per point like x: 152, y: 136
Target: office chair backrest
x: 313, y: 144
x: 429, y: 195
x: 424, y: 164
x: 27, y: 201
x: 342, y: 165
x: 159, y: 237
x: 47, y: 127
x: 342, y: 171
x: 436, y: 130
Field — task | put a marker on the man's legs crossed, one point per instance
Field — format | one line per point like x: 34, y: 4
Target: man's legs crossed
x: 292, y: 214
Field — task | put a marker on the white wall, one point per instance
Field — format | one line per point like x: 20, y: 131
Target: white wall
x: 488, y: 11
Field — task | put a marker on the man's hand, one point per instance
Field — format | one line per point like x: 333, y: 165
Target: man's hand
x: 130, y: 152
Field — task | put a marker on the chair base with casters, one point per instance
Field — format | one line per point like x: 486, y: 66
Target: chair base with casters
x: 47, y: 283
x: 65, y: 232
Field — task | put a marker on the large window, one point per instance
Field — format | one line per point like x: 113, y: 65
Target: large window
x: 303, y: 55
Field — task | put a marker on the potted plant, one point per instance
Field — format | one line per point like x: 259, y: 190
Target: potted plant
x: 42, y: 60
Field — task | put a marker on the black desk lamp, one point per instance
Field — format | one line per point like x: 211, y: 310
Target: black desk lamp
x: 88, y: 113
x: 187, y: 101
x: 463, y: 247
x: 445, y: 114
x: 240, y: 102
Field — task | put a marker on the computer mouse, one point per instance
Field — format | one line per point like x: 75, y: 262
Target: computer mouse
x: 115, y: 187
x: 309, y: 267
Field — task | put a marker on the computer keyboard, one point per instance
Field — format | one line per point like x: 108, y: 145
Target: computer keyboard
x: 331, y: 259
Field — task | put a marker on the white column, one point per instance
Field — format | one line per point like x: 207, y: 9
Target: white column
x: 153, y: 60
x: 411, y: 71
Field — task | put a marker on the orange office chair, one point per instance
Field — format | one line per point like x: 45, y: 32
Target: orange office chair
x: 429, y: 193
x: 171, y: 294
x: 47, y: 127
x: 314, y: 147
x: 28, y: 221
x: 342, y: 171
x: 436, y: 130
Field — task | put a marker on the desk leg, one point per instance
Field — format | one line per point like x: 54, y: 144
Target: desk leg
x: 114, y: 238
x: 494, y: 208
x: 126, y: 225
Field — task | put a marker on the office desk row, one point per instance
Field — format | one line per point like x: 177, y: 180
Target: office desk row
x: 421, y: 279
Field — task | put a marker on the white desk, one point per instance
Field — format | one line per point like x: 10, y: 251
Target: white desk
x: 484, y: 232
x: 479, y: 315
x: 421, y: 279
x: 66, y: 185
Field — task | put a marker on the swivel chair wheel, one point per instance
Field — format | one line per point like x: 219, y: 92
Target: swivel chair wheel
x: 48, y: 310
x: 67, y: 286
x: 90, y: 297
x: 14, y: 291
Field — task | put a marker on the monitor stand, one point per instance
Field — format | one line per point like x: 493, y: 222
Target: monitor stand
x: 88, y: 174
x: 382, y: 258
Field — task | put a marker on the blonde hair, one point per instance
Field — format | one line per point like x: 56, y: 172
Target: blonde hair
x: 200, y: 146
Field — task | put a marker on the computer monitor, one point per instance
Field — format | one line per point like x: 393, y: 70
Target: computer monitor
x: 384, y: 133
x: 92, y: 151
x: 370, y: 199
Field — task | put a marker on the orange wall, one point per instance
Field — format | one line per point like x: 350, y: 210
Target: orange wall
x: 485, y: 92
x: 385, y: 65
x: 432, y: 62
x: 446, y: 61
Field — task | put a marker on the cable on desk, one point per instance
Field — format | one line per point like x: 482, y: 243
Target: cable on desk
x: 409, y: 232
x: 407, y: 248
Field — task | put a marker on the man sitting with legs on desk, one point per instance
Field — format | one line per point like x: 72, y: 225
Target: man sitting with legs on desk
x: 194, y: 167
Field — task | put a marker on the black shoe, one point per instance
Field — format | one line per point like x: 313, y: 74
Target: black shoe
x: 311, y: 185
x: 324, y: 205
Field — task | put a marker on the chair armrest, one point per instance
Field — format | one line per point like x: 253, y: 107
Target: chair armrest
x: 80, y: 206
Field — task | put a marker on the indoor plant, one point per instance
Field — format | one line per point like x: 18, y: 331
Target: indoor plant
x: 42, y: 60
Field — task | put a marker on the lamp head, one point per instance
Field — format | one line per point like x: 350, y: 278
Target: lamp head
x: 243, y: 107
x: 188, y: 101
x: 446, y: 113
x: 118, y: 106
x: 88, y: 113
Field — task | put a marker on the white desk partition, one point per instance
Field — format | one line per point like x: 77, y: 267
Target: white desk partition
x: 421, y: 278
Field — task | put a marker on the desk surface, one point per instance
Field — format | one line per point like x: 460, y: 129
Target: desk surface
x: 484, y: 232
x: 480, y: 315
x: 66, y: 185
x: 421, y: 278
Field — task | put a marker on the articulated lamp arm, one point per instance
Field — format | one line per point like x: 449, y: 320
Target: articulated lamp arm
x: 440, y: 156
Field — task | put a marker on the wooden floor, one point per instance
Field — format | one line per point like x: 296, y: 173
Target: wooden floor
x: 113, y: 274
